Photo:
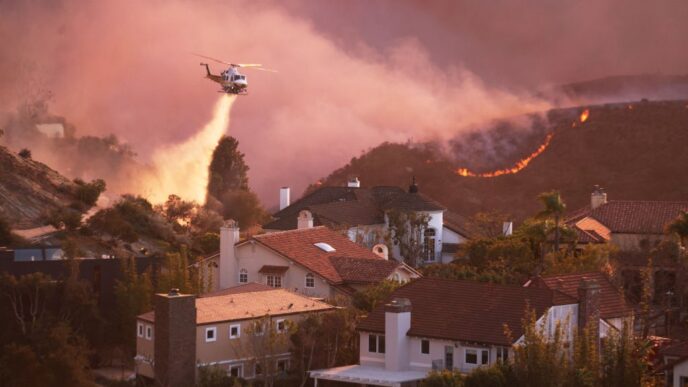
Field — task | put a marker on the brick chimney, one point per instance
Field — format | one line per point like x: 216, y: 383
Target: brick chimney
x: 598, y: 197
x: 305, y: 220
x: 175, y: 339
x: 589, y: 305
x: 229, y: 236
x: 284, y: 199
x: 397, y: 325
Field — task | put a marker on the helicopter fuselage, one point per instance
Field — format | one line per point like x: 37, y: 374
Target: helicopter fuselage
x: 231, y: 80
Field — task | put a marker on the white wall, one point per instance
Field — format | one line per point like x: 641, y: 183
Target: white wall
x: 449, y: 236
x: 680, y: 371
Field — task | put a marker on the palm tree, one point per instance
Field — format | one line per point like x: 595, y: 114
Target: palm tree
x: 554, y: 209
x: 680, y: 227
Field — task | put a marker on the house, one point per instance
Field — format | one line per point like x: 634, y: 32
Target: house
x: 314, y: 261
x: 363, y: 214
x: 243, y: 330
x: 673, y: 363
x: 632, y: 225
x: 433, y: 324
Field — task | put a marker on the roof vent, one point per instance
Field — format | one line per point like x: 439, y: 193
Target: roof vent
x: 324, y: 247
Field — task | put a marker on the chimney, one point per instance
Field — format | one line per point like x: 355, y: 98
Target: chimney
x: 598, y: 197
x: 354, y: 183
x: 413, y: 188
x: 508, y: 228
x: 397, y: 325
x: 175, y: 339
x: 305, y: 220
x: 284, y: 198
x: 381, y: 251
x: 229, y: 236
x: 589, y: 305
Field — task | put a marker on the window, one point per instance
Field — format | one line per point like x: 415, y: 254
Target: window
x: 502, y: 354
x: 425, y: 346
x: 234, y: 331
x: 274, y: 281
x: 236, y: 371
x: 430, y: 245
x: 471, y: 356
x: 149, y: 332
x: 139, y: 329
x: 210, y: 334
x: 485, y: 357
x: 376, y: 343
x: 258, y: 328
x: 243, y: 276
x: 310, y: 280
x: 280, y: 326
x: 282, y: 366
x: 258, y: 369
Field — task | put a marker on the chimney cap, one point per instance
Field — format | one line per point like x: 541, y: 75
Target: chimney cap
x: 398, y: 305
x: 413, y: 188
x: 173, y: 292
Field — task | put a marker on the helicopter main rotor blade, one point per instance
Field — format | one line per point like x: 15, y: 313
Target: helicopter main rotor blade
x: 255, y: 66
x: 213, y: 59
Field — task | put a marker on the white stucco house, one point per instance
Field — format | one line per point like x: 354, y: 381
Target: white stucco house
x: 362, y: 213
x: 434, y: 324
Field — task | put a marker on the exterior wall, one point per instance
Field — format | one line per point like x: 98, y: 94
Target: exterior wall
x: 369, y: 358
x: 145, y: 349
x: 436, y: 222
x: 449, y: 236
x: 635, y: 242
x: 680, y: 372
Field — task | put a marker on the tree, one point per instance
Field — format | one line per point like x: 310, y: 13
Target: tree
x: 244, y: 207
x: 365, y: 300
x: 554, y: 208
x: 175, y: 274
x: 405, y: 229
x: 132, y: 296
x: 25, y: 153
x: 680, y: 227
x: 88, y: 193
x: 227, y: 171
x: 6, y: 236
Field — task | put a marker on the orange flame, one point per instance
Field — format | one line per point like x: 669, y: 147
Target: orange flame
x: 516, y: 168
x: 584, y: 116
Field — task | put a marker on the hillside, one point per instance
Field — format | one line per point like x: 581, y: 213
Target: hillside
x: 29, y: 189
x: 634, y: 150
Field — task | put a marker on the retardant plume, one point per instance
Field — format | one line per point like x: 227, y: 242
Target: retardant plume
x: 182, y: 169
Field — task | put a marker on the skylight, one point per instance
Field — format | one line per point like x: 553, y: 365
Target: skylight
x: 324, y: 247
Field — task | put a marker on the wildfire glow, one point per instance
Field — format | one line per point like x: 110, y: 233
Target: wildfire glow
x: 584, y: 116
x: 516, y: 168
x: 182, y: 169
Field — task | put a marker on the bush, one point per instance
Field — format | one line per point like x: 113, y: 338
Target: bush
x: 25, y: 153
x: 64, y: 218
x: 495, y: 376
x: 88, y: 193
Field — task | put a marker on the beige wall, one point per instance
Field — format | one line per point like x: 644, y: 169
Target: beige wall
x: 634, y: 242
x: 145, y: 349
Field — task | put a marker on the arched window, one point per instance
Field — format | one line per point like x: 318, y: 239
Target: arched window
x: 310, y: 280
x: 243, y: 276
x: 397, y: 277
x: 429, y: 245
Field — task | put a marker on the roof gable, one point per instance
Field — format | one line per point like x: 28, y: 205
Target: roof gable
x: 633, y: 216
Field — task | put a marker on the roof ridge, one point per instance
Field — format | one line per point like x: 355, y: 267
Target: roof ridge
x: 646, y: 201
x: 293, y: 231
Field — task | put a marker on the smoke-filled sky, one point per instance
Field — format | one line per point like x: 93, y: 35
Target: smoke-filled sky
x: 352, y: 74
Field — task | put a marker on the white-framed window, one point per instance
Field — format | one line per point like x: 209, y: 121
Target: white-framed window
x: 139, y: 329
x: 210, y: 334
x: 149, y: 332
x: 477, y: 356
x: 274, y: 281
x: 236, y: 371
x: 281, y: 326
x: 471, y: 356
x: 502, y: 354
x: 257, y: 369
x: 376, y: 343
x: 243, y: 276
x: 310, y: 280
x: 282, y: 366
x: 429, y: 247
x: 234, y: 331
x: 425, y: 346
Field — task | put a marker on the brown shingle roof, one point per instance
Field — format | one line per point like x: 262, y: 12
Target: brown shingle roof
x: 456, y: 223
x: 299, y: 246
x: 464, y: 310
x: 363, y: 270
x: 249, y: 305
x: 612, y: 302
x: 634, y: 216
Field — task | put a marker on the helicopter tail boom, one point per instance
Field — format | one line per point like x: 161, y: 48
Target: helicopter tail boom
x: 207, y: 69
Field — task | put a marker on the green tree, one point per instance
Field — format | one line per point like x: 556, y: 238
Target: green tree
x: 366, y: 299
x: 132, y: 296
x: 88, y: 193
x: 554, y: 208
x: 244, y: 207
x: 227, y: 171
x: 444, y: 378
x: 405, y: 229
x: 680, y: 227
x: 175, y: 274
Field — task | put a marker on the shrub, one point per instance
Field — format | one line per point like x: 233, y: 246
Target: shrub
x: 25, y: 153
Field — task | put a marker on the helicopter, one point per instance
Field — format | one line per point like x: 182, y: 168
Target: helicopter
x: 231, y: 80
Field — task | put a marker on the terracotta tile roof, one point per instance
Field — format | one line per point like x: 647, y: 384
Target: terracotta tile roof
x: 588, y: 236
x: 336, y: 206
x: 634, y: 216
x: 455, y: 222
x: 464, y: 310
x: 359, y: 270
x: 299, y: 246
x: 612, y: 302
x: 245, y: 288
x: 270, y: 269
x: 249, y: 305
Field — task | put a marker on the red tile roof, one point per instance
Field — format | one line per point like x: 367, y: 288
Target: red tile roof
x: 299, y: 246
x: 612, y: 302
x: 464, y: 310
x: 270, y: 269
x: 588, y: 236
x: 360, y: 270
x: 633, y: 216
x: 456, y: 223
x: 245, y: 288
